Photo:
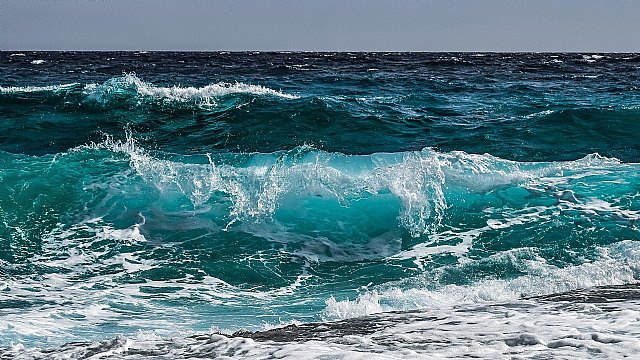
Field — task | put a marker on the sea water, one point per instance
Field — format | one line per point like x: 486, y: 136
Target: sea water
x: 319, y: 205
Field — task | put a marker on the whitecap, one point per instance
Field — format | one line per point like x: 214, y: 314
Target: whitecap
x: 29, y: 89
x: 205, y: 95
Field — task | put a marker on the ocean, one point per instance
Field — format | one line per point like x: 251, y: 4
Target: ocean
x: 261, y: 205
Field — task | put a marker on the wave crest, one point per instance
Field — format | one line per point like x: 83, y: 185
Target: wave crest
x: 33, y: 89
x: 130, y: 83
x: 130, y: 88
x: 410, y: 189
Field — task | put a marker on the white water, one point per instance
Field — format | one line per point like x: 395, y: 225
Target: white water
x: 523, y: 330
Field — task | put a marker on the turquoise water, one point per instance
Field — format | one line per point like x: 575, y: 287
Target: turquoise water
x: 186, y: 193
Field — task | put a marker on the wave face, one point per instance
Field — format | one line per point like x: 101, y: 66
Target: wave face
x: 165, y: 195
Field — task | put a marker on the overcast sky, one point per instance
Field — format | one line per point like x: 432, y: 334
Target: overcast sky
x: 337, y: 25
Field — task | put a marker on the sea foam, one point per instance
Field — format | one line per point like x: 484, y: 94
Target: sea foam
x: 618, y: 265
x: 30, y: 89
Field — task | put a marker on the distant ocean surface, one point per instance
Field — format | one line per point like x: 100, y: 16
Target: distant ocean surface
x: 319, y: 205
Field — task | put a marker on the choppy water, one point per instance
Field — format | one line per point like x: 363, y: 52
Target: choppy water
x: 149, y: 197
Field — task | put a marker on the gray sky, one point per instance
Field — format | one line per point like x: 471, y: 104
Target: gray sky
x: 339, y: 25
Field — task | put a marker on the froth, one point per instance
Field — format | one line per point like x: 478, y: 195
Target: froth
x: 618, y: 265
x: 30, y: 89
x: 502, y: 331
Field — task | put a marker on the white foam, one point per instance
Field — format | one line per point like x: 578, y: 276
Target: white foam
x: 539, y: 114
x: 501, y: 331
x: 365, y: 304
x: 61, y: 308
x: 28, y: 89
x: 619, y: 265
x: 38, y: 62
x: 597, y: 207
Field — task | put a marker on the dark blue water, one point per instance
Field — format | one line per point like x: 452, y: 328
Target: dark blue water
x: 179, y: 193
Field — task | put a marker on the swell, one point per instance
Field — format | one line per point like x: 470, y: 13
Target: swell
x: 256, y: 118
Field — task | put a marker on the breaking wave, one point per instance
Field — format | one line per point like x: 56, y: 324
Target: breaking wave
x: 130, y: 87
